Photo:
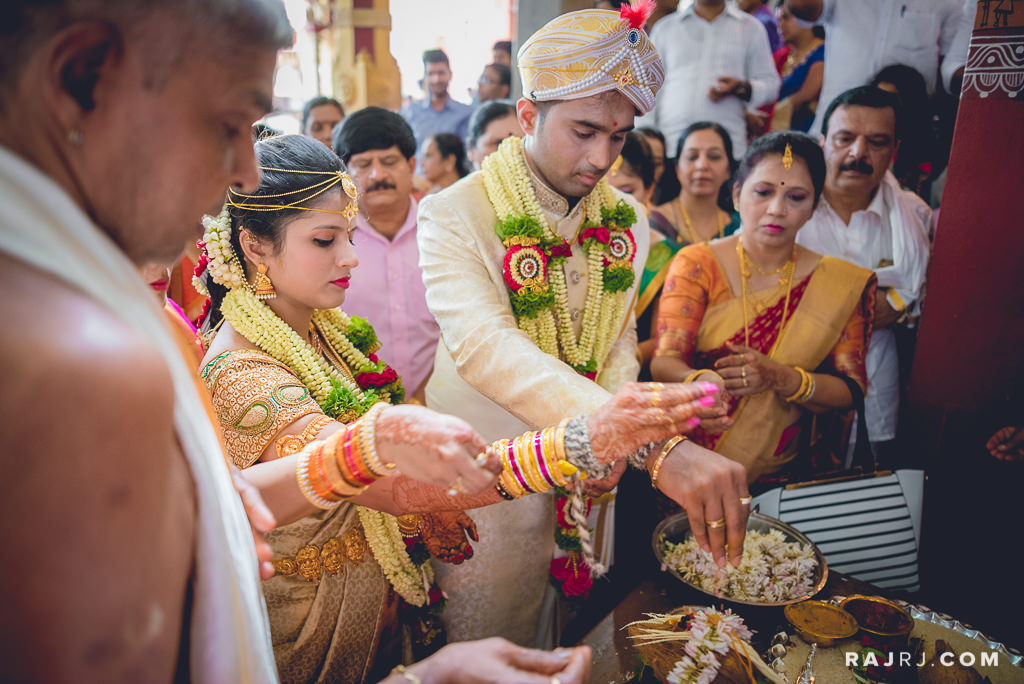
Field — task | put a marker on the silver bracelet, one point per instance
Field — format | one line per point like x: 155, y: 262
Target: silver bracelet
x: 578, y: 452
x: 638, y: 459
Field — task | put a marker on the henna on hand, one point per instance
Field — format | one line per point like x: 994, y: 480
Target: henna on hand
x: 644, y: 412
x: 412, y: 496
x: 434, y: 448
x: 444, y: 535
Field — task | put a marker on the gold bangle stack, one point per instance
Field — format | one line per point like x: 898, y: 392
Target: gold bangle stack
x: 805, y: 390
x: 662, y: 455
x: 533, y: 462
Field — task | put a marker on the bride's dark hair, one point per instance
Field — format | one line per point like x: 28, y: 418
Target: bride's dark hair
x: 279, y: 158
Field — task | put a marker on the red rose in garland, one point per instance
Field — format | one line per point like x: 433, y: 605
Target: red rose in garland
x: 369, y: 379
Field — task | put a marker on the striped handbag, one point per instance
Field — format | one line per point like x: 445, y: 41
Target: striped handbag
x: 867, y: 526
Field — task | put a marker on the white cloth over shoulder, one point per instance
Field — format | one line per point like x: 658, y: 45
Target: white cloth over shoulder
x: 891, y: 238
x: 43, y: 227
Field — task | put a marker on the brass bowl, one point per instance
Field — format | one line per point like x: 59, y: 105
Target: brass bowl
x: 676, y: 528
x: 820, y: 622
x: 878, y: 616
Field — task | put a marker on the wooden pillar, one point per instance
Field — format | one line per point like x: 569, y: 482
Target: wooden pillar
x: 354, y: 60
x: 968, y: 374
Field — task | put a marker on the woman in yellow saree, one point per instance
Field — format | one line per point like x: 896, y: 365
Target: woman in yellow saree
x: 774, y: 325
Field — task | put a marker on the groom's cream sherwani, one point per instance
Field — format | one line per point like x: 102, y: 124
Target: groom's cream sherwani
x: 490, y: 373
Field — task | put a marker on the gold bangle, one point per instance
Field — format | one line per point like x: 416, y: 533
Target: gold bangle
x: 550, y: 459
x: 696, y: 374
x: 805, y: 380
x: 662, y: 455
x: 403, y: 671
x: 526, y: 460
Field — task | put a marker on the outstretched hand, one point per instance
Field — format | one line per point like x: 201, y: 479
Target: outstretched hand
x: 497, y: 661
x: 644, y: 412
x: 435, y: 448
x: 712, y: 490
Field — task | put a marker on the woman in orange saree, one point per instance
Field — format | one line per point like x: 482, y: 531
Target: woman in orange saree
x: 775, y: 325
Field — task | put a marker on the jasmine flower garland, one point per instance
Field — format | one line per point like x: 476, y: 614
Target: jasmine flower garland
x: 533, y: 263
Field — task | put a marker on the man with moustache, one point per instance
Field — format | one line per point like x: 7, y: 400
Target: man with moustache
x: 866, y: 218
x: 379, y: 149
x: 531, y: 266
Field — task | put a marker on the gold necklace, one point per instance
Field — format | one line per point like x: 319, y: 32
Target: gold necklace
x: 694, y: 238
x: 745, y: 263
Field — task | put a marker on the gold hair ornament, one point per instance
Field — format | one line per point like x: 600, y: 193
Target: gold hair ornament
x: 787, y: 157
x: 335, y: 178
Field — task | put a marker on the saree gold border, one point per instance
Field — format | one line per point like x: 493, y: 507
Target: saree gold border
x: 813, y: 330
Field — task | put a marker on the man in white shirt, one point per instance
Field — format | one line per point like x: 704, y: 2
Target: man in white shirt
x: 866, y: 35
x: 866, y: 218
x: 717, y: 63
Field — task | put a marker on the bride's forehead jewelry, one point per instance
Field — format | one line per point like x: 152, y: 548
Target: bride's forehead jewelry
x: 334, y: 178
x: 787, y: 157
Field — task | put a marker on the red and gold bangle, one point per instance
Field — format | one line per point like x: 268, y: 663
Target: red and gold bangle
x: 551, y: 454
x: 335, y: 483
x: 527, y: 463
x: 539, y: 442
x: 509, y: 461
x: 533, y: 461
x: 353, y: 458
x: 305, y: 486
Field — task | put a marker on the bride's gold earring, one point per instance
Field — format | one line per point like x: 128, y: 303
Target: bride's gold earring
x: 264, y: 288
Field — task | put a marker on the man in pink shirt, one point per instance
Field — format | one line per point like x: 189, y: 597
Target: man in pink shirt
x: 379, y: 148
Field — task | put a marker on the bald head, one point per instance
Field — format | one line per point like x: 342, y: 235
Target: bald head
x: 29, y: 24
x: 140, y: 110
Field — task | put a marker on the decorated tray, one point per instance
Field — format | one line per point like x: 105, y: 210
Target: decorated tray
x: 991, y: 660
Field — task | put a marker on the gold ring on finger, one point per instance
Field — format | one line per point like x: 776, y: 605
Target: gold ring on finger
x: 745, y: 500
x: 715, y: 524
x: 481, y: 459
x: 743, y: 371
x: 745, y: 383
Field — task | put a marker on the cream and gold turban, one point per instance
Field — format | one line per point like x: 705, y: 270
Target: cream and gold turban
x: 589, y: 52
